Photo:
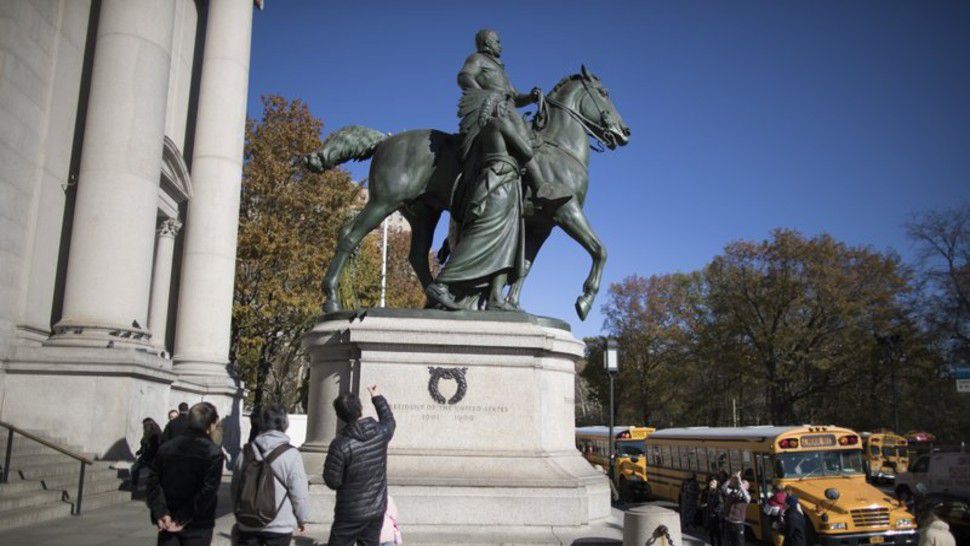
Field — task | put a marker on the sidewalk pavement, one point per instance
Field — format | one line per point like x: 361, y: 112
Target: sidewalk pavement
x: 128, y: 524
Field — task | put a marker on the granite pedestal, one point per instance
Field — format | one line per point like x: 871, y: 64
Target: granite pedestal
x: 484, y: 406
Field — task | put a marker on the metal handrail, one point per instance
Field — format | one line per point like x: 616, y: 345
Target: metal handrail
x: 5, y: 477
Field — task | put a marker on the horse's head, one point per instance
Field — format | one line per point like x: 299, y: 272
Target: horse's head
x: 586, y: 96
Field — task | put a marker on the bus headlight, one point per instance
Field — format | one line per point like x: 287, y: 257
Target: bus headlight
x: 838, y: 526
x: 904, y: 522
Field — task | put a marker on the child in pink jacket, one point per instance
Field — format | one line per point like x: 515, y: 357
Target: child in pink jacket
x: 390, y: 532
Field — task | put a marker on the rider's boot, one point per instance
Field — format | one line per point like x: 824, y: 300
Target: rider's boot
x: 438, y: 293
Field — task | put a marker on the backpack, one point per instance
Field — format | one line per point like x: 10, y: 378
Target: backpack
x: 255, y: 504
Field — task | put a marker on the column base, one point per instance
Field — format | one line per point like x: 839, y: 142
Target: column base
x: 78, y: 334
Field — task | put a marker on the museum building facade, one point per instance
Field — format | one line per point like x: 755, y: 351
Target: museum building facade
x: 121, y: 148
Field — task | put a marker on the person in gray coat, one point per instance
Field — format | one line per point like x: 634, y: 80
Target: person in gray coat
x: 292, y: 486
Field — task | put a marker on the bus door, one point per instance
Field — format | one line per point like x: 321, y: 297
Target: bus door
x: 762, y: 464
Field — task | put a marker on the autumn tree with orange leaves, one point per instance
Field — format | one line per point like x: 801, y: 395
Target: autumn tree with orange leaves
x: 289, y: 223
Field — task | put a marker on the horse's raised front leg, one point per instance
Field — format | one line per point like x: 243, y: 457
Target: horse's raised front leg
x: 369, y: 218
x: 573, y: 221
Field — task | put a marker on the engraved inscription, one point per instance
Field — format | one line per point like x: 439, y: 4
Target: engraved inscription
x: 465, y: 413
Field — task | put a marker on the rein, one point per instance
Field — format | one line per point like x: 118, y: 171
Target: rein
x: 568, y: 153
x: 589, y: 126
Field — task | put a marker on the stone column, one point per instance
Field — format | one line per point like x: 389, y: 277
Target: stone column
x: 162, y: 280
x: 110, y: 264
x: 209, y: 256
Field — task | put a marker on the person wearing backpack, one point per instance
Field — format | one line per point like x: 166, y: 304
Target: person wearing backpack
x: 270, y: 490
x: 356, y: 467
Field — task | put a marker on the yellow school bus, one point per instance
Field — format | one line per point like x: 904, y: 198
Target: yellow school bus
x: 886, y: 455
x: 629, y: 475
x: 821, y: 464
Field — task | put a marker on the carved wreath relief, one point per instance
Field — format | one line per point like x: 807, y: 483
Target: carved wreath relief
x: 437, y: 374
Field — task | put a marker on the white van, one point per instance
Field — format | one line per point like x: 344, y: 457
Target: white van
x: 943, y: 475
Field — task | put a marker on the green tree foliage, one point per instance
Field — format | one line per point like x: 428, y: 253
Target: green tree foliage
x: 289, y: 223
x: 792, y: 329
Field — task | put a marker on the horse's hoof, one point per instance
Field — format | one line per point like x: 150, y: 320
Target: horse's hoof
x: 583, y: 305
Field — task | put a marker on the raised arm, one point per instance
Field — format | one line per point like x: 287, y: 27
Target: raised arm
x: 525, y: 99
x: 384, y: 414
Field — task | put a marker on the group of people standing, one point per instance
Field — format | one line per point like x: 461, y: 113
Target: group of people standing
x: 269, y: 490
x: 723, y: 505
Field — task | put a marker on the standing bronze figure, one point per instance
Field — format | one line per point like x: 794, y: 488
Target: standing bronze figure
x: 419, y: 173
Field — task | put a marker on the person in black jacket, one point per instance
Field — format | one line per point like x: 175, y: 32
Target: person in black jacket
x: 794, y: 522
x: 713, y: 513
x: 688, y: 501
x: 150, y: 439
x: 175, y: 427
x: 184, y: 481
x: 356, y: 467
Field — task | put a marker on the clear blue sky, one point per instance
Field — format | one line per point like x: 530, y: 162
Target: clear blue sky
x: 843, y: 117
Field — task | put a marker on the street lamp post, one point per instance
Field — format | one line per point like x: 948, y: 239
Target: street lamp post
x: 611, y: 362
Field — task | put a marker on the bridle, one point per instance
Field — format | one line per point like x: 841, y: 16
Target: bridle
x: 591, y: 128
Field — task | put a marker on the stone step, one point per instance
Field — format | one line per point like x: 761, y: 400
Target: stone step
x: 19, y: 517
x: 10, y: 501
x: 21, y: 440
x: 101, y: 499
x: 92, y: 478
x: 27, y: 447
x: 46, y: 470
x: 19, y: 486
x: 18, y: 461
x: 97, y: 486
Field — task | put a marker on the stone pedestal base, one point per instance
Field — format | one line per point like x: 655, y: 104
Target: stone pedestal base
x: 484, y: 406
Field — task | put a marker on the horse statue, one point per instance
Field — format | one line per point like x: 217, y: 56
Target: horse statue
x: 415, y: 172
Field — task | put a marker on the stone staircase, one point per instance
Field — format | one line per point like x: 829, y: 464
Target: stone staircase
x: 43, y: 482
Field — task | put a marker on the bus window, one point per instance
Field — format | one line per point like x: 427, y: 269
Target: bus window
x: 702, y: 460
x: 675, y: 457
x: 819, y: 463
x: 685, y: 458
x: 692, y: 458
x: 657, y: 456
x: 650, y: 459
x: 747, y: 466
x: 735, y: 461
x: 722, y: 461
x: 874, y: 450
x: 665, y: 454
x: 769, y: 473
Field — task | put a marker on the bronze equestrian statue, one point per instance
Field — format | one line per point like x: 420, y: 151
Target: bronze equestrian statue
x: 419, y: 173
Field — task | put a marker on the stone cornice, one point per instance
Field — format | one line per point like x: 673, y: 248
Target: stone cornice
x: 176, y: 180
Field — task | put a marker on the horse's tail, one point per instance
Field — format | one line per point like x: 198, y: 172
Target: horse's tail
x: 351, y: 142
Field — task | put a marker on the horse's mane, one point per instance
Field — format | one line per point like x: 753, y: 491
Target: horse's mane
x: 564, y: 81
